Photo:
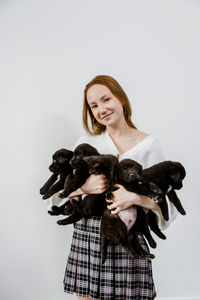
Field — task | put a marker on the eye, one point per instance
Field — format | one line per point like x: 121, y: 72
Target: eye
x: 77, y: 157
x: 107, y: 99
x: 93, y: 106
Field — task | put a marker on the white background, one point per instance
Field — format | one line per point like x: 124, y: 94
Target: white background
x: 49, y: 51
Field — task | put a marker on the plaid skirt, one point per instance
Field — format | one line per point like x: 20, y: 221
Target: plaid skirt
x: 119, y: 278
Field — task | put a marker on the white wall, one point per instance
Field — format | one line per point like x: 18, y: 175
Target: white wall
x: 49, y: 50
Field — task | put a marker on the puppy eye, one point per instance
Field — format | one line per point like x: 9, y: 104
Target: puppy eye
x: 77, y: 157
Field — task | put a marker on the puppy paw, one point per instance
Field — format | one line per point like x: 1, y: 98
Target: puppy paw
x: 46, y: 196
x: 60, y: 222
x: 150, y: 256
x: 42, y: 191
x: 52, y: 213
x: 61, y: 195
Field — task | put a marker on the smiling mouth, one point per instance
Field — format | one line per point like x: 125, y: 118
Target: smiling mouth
x: 107, y: 115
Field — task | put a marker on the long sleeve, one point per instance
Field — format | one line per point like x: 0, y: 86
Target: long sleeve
x: 154, y: 156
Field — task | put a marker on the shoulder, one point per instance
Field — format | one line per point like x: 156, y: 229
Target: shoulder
x: 152, y: 151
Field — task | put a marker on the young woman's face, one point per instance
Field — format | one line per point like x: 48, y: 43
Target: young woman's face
x: 106, y: 108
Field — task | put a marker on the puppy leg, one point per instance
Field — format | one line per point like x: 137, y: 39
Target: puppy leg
x: 175, y: 200
x: 154, y: 225
x: 54, y: 189
x: 164, y: 208
x: 71, y: 219
x: 104, y: 246
x: 136, y: 247
x: 64, y: 209
x: 48, y: 184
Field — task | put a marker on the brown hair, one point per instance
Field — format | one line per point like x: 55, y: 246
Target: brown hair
x: 117, y: 91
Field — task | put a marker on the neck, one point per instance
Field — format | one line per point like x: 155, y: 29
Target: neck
x: 119, y: 129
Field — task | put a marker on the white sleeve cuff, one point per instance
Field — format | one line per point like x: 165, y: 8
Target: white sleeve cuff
x: 173, y: 212
x: 54, y: 200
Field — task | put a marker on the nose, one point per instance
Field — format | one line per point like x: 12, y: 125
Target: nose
x: 102, y: 110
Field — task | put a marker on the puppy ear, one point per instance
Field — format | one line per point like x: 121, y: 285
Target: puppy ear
x: 61, y: 159
x: 175, y: 176
x: 86, y: 158
x: 96, y: 165
x: 155, y: 189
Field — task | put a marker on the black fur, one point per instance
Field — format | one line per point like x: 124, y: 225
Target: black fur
x: 61, y: 168
x: 168, y: 176
x: 94, y: 204
x: 128, y: 173
x: 156, y: 182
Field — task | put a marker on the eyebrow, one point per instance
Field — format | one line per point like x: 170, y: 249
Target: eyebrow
x: 100, y: 99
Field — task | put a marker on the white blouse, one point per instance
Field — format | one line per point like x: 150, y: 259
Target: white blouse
x: 148, y: 152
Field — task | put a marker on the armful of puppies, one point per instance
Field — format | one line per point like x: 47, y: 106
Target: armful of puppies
x: 122, y: 199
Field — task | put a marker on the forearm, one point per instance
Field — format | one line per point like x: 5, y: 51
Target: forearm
x: 147, y: 202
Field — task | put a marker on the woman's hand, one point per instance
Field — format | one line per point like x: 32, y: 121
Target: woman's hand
x: 95, y: 184
x: 123, y: 199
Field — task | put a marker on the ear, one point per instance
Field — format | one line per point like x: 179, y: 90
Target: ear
x: 154, y: 188
x: 175, y: 176
x: 96, y: 165
x: 61, y: 159
x: 86, y: 158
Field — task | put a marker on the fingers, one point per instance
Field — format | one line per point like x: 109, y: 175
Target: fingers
x: 116, y: 211
x: 117, y: 185
x: 109, y: 201
x: 111, y: 206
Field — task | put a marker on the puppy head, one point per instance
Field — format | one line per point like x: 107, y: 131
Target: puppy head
x: 81, y: 151
x: 129, y: 170
x: 100, y: 164
x: 176, y: 175
x: 60, y: 158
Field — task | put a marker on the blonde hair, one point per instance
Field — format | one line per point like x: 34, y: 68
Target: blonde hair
x: 117, y: 91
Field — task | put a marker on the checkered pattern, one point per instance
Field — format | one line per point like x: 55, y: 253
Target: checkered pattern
x: 120, y: 278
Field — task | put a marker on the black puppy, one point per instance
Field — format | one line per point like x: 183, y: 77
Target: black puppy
x: 61, y: 168
x: 123, y: 227
x: 167, y: 175
x: 87, y: 206
x: 81, y: 172
x: 127, y: 175
x: 94, y: 204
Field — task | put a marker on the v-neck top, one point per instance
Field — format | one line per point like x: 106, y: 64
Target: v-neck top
x: 130, y: 151
x: 147, y: 152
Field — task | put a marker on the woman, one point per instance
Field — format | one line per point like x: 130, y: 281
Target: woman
x: 112, y: 132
